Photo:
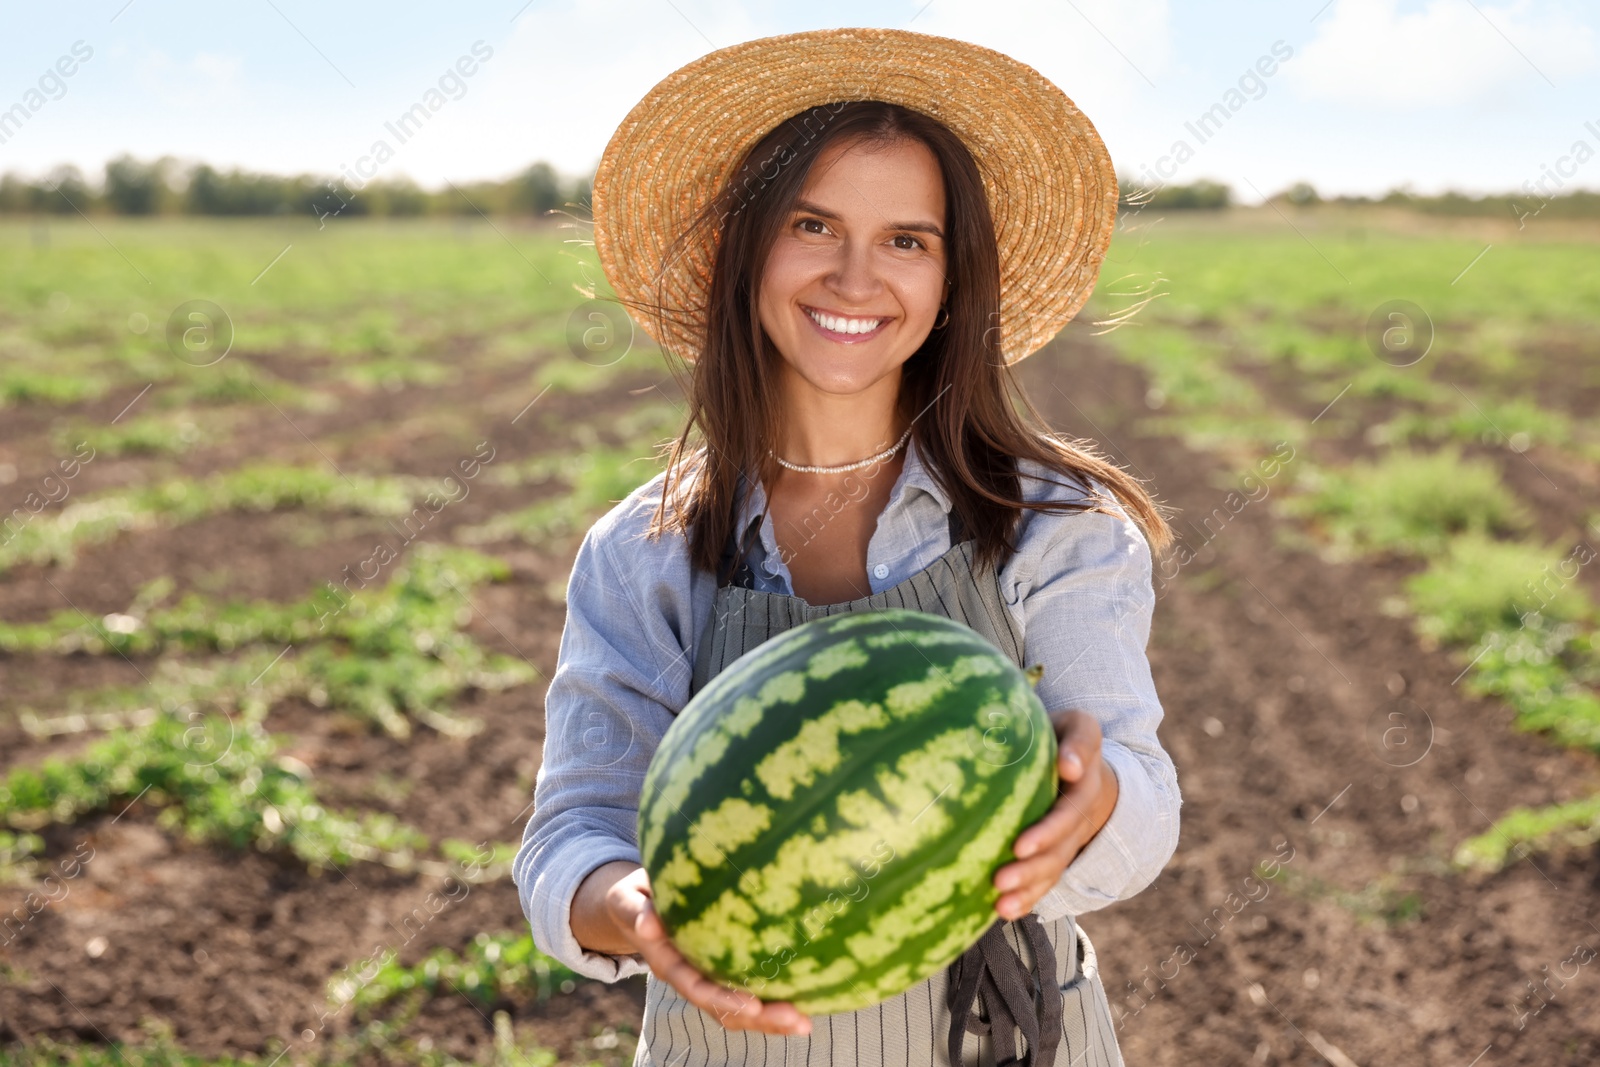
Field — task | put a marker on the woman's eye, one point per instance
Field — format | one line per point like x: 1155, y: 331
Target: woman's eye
x: 915, y: 243
x: 813, y: 222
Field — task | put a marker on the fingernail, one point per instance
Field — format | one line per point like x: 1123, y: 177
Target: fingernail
x: 1074, y: 763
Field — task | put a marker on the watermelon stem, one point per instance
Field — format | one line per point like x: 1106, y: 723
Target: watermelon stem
x: 1034, y: 673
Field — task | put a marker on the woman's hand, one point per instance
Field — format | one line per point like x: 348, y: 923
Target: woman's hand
x: 632, y: 909
x: 1085, y: 802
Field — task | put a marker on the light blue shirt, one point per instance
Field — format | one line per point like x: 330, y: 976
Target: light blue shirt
x: 1079, y: 584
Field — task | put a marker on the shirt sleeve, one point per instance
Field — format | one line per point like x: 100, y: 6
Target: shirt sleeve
x: 1087, y: 605
x: 619, y: 670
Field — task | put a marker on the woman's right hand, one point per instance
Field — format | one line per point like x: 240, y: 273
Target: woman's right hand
x: 632, y: 909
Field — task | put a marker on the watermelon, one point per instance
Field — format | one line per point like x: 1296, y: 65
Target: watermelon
x: 822, y: 822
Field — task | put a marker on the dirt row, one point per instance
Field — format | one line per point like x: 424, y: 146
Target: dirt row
x: 235, y: 950
x: 1279, y: 675
x: 285, y: 555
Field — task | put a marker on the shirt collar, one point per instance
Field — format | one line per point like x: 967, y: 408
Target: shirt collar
x: 914, y: 474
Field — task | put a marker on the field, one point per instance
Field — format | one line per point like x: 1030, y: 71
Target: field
x: 289, y: 514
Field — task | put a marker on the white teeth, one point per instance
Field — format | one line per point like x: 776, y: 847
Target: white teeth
x: 838, y: 325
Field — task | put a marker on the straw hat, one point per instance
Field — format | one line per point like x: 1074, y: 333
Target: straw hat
x: 1051, y: 186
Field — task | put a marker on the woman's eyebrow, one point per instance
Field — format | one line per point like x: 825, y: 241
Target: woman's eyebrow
x: 914, y: 227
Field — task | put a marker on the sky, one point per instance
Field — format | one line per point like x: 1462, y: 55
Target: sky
x: 1482, y: 96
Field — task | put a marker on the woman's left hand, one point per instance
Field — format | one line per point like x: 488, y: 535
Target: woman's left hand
x: 1087, y: 796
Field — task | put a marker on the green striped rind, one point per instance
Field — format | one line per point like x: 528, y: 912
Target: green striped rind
x: 823, y: 821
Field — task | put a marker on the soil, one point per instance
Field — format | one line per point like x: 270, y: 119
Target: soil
x: 1295, y: 670
x: 1278, y: 673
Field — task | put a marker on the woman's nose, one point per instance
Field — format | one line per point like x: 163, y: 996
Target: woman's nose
x: 855, y: 275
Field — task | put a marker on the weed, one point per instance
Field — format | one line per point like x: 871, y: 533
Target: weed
x: 1478, y: 585
x: 1408, y: 502
x: 1521, y: 831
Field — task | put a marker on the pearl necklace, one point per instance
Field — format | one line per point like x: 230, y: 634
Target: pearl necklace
x: 879, y: 458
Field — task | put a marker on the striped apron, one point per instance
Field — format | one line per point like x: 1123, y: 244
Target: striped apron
x: 1070, y: 1027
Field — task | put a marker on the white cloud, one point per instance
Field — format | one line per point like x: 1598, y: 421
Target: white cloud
x: 1451, y: 52
x: 219, y: 71
x: 203, y: 81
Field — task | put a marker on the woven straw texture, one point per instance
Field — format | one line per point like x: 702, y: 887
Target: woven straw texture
x: 1051, y: 186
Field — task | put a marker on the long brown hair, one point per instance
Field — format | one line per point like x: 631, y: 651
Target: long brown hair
x: 956, y: 390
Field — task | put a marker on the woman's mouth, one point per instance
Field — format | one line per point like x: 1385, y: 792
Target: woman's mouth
x: 845, y: 330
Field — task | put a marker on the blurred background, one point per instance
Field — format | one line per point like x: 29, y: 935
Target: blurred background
x: 309, y: 389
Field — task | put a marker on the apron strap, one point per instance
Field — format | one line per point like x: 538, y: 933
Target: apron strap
x: 735, y: 568
x: 957, y: 530
x: 991, y: 968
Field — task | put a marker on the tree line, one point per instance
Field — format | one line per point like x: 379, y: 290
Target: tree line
x: 165, y: 187
x: 1521, y: 204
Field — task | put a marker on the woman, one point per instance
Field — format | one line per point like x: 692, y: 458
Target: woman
x: 850, y: 235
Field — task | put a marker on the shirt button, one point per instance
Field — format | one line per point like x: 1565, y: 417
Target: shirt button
x: 880, y: 571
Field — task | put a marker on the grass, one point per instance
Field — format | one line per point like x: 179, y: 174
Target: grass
x: 353, y: 288
x: 191, y: 740
x: 1517, y: 423
x: 17, y: 850
x: 1246, y: 295
x: 1478, y: 585
x: 54, y: 538
x: 1407, y: 502
x: 1241, y: 293
x: 1339, y: 266
x: 47, y: 1053
x: 388, y: 654
x: 1547, y: 673
x: 1382, y: 902
x: 597, y: 478
x: 167, y: 434
x: 385, y: 1042
x: 1184, y: 368
x: 1522, y: 831
x: 494, y: 968
x: 214, y: 778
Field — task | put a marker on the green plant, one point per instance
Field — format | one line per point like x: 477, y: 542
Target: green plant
x: 598, y: 479
x: 217, y: 779
x: 146, y: 435
x: 1410, y: 502
x: 1381, y: 901
x: 494, y: 968
x: 391, y: 653
x: 16, y: 856
x: 1546, y: 671
x: 44, y: 1052
x: 1477, y: 585
x: 259, y: 487
x: 1521, y: 831
x: 191, y: 740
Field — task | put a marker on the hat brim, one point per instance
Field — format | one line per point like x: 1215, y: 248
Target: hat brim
x: 1051, y: 186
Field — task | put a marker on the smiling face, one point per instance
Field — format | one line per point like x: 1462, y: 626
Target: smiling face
x: 856, y: 277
